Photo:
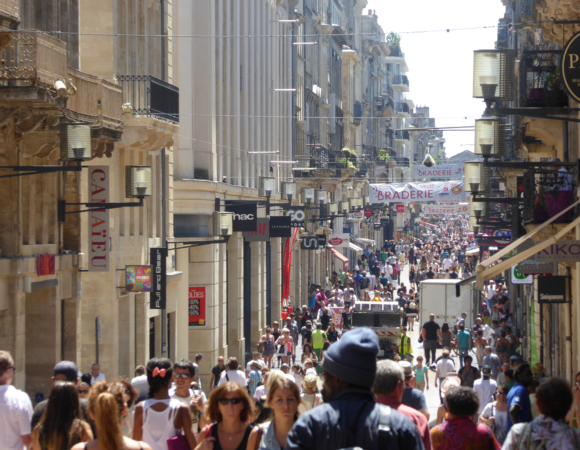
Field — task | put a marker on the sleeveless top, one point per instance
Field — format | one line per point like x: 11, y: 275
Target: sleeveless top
x: 158, y: 426
x: 243, y: 444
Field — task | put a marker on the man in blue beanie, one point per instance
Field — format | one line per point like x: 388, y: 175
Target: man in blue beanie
x: 349, y: 416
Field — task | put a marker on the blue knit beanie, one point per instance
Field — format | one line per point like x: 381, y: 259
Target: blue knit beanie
x: 354, y: 358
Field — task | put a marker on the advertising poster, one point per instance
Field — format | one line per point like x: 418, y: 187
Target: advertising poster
x: 462, y: 208
x: 138, y: 278
x: 442, y: 171
x: 197, y: 306
x: 437, y: 191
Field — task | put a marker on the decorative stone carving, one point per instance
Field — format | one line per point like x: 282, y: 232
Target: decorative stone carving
x: 550, y: 10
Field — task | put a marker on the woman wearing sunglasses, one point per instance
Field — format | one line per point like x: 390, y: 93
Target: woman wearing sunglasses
x: 229, y: 409
x: 494, y: 415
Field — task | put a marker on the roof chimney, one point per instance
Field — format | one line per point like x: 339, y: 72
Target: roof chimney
x: 370, y: 12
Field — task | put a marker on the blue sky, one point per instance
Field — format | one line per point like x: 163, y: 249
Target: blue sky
x: 441, y: 64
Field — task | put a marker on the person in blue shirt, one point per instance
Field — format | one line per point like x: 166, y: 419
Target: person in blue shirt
x: 518, y: 399
x: 311, y: 297
x: 357, y: 278
x: 463, y: 342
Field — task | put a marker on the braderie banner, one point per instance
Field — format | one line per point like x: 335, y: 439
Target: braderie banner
x: 437, y: 191
x: 443, y: 171
x: 462, y: 208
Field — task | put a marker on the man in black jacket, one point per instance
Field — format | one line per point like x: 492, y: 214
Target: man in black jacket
x: 349, y: 416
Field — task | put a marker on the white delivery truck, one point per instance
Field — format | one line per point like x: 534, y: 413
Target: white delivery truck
x: 447, y: 299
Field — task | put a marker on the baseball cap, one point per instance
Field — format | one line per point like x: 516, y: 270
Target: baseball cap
x: 486, y: 370
x: 68, y: 369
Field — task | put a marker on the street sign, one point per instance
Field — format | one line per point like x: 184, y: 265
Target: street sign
x: 518, y: 278
x: 532, y: 267
x: 561, y: 251
x: 552, y: 290
x: 297, y: 216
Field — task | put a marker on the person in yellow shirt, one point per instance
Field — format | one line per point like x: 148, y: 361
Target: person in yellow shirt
x: 405, y: 347
x: 318, y: 339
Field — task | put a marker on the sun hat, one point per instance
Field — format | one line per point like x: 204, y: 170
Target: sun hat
x: 310, y: 381
x: 451, y: 381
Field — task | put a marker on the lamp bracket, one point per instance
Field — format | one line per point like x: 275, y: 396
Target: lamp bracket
x: 196, y: 244
x: 507, y: 201
x: 62, y: 204
x: 37, y: 170
x: 542, y: 113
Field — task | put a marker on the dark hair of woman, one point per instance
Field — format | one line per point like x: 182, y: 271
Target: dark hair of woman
x: 212, y: 408
x: 554, y: 398
x: 63, y: 408
x: 412, y: 269
x: 445, y: 327
x: 158, y: 382
x: 309, y: 348
x: 462, y: 401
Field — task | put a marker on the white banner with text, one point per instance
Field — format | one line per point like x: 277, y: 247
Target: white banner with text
x: 437, y: 191
x: 461, y: 208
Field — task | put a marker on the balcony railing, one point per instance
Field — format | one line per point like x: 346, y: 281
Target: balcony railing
x: 402, y: 136
x: 502, y: 33
x: 150, y: 96
x: 402, y: 108
x: 400, y: 80
x: 387, y: 91
x: 540, y: 80
x: 400, y: 161
x: 33, y: 59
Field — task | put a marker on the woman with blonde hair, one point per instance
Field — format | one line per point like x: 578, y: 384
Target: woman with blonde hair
x: 60, y: 426
x: 284, y: 399
x: 229, y: 409
x: 285, y: 343
x: 107, y: 406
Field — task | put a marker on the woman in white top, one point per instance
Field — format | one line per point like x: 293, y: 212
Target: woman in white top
x: 161, y: 417
x: 494, y: 415
x: 284, y: 399
x: 310, y: 399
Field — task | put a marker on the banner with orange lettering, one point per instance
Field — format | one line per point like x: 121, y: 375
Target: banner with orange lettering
x: 287, y: 263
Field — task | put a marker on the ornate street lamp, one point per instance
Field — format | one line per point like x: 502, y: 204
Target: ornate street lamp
x: 289, y: 190
x: 490, y: 137
x: 267, y: 186
x: 307, y: 195
x: 137, y: 181
x: 493, y: 75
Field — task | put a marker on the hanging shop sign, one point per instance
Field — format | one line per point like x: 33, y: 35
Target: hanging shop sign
x: 262, y: 234
x: 552, y: 289
x: 532, y: 267
x: 501, y: 238
x: 443, y: 171
x: 99, y: 240
x: 245, y: 216
x: 561, y: 251
x: 297, y: 216
x: 287, y: 264
x: 309, y: 242
x: 280, y: 226
x: 321, y: 240
x: 517, y: 277
x: 158, y: 298
x: 461, y: 208
x: 138, y: 278
x: 339, y: 240
x: 400, y: 209
x: 197, y: 306
x: 571, y: 67
x: 437, y: 191
x: 358, y: 214
x: 368, y: 212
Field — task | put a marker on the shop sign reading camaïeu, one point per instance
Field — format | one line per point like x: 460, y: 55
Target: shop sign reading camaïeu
x: 99, y: 219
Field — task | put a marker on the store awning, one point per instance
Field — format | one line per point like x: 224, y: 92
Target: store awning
x: 473, y: 251
x: 486, y: 270
x: 367, y: 241
x: 354, y: 247
x: 339, y: 255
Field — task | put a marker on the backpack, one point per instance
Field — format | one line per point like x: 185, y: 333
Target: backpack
x: 364, y: 283
x: 394, y: 271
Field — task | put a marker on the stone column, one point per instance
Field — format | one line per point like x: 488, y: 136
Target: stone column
x: 236, y: 340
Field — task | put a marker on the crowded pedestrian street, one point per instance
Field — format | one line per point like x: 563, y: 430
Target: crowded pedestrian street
x: 289, y: 225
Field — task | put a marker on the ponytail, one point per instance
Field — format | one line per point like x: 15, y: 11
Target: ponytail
x: 108, y: 420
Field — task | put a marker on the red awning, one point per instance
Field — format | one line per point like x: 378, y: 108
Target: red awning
x: 339, y: 255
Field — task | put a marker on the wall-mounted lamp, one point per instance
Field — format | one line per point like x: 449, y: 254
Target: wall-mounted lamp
x: 267, y: 186
x: 289, y: 190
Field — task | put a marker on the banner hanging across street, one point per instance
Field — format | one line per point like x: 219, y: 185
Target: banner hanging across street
x: 437, y: 191
x: 443, y: 171
x: 462, y: 208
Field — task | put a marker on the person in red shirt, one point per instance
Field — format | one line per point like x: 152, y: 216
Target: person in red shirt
x: 389, y: 388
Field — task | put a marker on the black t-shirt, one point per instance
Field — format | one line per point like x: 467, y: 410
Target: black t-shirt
x: 216, y: 372
x: 430, y: 275
x: 306, y: 336
x: 453, y: 275
x: 304, y: 318
x: 324, y: 320
x: 346, y: 320
x: 332, y: 336
x: 432, y: 328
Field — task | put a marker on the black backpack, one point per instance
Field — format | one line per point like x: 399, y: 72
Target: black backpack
x: 364, y: 283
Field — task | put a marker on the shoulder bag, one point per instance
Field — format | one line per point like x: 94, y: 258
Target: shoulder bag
x: 259, y: 434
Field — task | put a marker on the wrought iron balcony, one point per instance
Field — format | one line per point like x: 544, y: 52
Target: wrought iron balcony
x: 402, y: 108
x: 402, y: 136
x: 400, y: 161
x: 541, y: 83
x: 400, y: 80
x: 151, y: 97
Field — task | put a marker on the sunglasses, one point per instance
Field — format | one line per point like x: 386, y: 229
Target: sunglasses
x: 233, y: 401
x: 83, y: 392
x: 185, y: 376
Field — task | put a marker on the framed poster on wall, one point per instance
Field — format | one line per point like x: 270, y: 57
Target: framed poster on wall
x: 197, y: 306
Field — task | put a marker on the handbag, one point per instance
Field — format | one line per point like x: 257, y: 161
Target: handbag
x: 420, y: 338
x: 259, y: 437
x: 178, y: 442
x: 260, y: 347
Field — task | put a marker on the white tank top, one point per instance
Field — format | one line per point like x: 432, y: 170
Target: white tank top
x: 158, y: 426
